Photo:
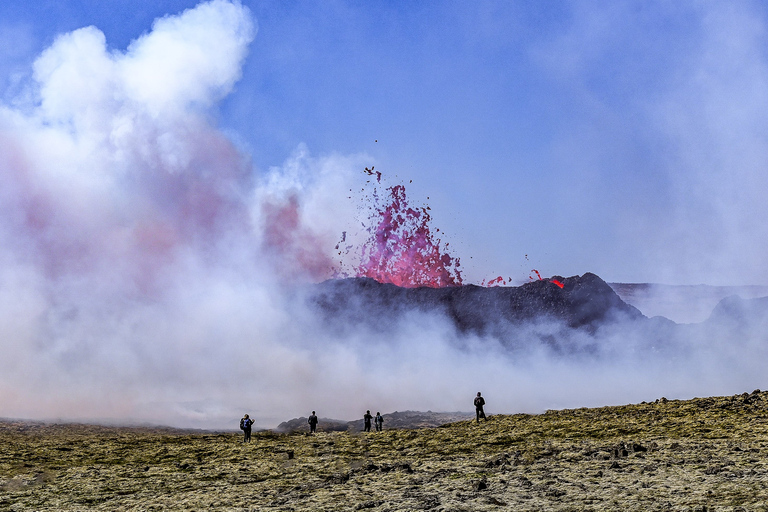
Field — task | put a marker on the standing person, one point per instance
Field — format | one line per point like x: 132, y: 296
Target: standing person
x: 367, y: 421
x: 245, y: 426
x: 312, y: 420
x: 379, y: 421
x: 479, y: 403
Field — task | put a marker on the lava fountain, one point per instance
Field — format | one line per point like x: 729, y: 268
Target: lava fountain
x: 400, y: 246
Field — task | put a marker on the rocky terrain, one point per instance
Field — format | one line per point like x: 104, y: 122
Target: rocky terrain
x: 704, y: 454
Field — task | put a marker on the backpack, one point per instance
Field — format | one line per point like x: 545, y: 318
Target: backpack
x: 245, y: 423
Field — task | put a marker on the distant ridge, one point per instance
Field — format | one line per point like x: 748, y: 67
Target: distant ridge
x: 682, y: 303
x: 403, y: 419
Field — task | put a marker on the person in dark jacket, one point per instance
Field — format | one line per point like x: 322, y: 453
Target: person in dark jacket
x: 245, y: 426
x: 312, y: 420
x: 479, y: 403
x: 379, y: 421
x: 367, y: 421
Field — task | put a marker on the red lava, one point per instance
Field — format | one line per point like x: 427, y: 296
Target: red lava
x: 553, y: 281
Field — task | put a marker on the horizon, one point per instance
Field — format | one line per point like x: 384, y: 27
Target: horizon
x: 107, y: 422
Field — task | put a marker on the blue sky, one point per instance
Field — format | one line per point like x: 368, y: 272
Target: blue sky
x: 626, y: 139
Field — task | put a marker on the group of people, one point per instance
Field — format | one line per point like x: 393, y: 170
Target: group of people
x: 367, y: 421
x: 246, y: 422
x: 378, y: 420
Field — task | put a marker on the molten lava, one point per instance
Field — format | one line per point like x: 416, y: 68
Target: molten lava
x: 553, y: 281
x: 400, y: 247
x: 497, y: 281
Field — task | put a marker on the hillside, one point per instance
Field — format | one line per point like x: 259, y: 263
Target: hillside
x: 700, y: 454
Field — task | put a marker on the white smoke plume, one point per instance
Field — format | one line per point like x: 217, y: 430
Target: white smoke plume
x: 132, y: 266
x: 147, y: 271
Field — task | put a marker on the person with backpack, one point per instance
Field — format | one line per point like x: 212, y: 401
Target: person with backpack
x: 479, y: 403
x: 367, y: 421
x: 245, y: 426
x: 312, y: 420
x: 379, y: 421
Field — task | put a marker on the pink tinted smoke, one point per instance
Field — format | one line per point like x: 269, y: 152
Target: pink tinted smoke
x: 297, y: 251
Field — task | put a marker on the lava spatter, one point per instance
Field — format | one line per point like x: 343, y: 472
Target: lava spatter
x: 496, y: 281
x: 551, y: 280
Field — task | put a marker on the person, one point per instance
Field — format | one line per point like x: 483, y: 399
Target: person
x: 367, y: 421
x: 379, y: 421
x: 479, y: 403
x: 312, y: 420
x: 245, y: 426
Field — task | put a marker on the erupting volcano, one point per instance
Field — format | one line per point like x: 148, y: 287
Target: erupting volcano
x: 404, y: 269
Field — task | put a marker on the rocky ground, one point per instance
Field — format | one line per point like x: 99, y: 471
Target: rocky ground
x: 696, y: 455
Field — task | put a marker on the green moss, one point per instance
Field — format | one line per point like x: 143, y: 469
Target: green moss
x: 702, y: 452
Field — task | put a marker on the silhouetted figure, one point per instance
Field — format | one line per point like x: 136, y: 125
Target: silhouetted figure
x: 245, y: 426
x: 312, y: 420
x: 379, y: 421
x: 479, y: 403
x: 367, y: 421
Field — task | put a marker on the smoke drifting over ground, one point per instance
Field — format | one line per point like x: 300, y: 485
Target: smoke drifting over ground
x: 147, y: 273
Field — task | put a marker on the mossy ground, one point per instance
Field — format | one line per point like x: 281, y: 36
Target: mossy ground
x: 701, y: 454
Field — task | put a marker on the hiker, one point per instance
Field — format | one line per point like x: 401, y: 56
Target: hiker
x: 379, y: 421
x: 479, y: 403
x: 312, y: 420
x: 367, y: 421
x: 245, y: 426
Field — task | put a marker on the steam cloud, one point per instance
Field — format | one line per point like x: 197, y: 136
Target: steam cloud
x: 147, y: 273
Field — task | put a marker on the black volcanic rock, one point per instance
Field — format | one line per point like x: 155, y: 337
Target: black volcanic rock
x: 584, y: 302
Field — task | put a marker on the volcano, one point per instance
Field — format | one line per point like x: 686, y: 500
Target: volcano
x: 584, y: 302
